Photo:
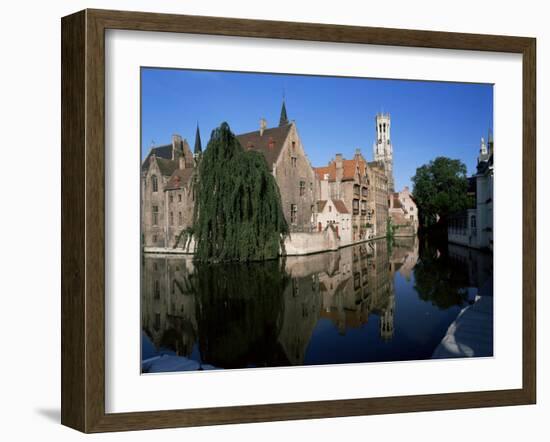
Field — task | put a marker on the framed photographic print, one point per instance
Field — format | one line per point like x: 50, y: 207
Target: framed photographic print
x: 270, y: 220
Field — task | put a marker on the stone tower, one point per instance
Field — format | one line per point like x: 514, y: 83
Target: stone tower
x: 382, y: 147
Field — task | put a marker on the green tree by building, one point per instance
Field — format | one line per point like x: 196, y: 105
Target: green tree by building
x: 238, y: 214
x: 440, y: 189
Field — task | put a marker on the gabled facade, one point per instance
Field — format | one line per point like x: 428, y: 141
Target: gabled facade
x: 335, y: 214
x: 347, y: 181
x: 403, y: 213
x: 166, y: 201
x: 284, y: 154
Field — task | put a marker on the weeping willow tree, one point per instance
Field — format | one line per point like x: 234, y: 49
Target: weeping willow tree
x: 238, y: 214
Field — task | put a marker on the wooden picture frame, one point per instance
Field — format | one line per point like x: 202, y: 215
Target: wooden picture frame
x: 83, y: 219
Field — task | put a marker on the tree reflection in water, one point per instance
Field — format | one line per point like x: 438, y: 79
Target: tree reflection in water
x: 360, y: 304
x: 438, y: 279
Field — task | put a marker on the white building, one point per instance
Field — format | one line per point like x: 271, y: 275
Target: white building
x: 474, y: 227
x: 335, y: 213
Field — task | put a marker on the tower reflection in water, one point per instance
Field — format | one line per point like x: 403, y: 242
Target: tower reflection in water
x: 365, y: 303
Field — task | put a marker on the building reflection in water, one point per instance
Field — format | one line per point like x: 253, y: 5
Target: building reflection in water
x: 268, y: 314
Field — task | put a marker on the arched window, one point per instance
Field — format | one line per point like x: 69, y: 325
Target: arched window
x: 155, y: 183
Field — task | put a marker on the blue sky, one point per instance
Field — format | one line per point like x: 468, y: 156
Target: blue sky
x: 332, y: 114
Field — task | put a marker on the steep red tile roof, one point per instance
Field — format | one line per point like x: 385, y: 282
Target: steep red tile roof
x: 322, y: 171
x: 349, y: 167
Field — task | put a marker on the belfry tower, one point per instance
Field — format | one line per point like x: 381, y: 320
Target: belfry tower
x: 383, y: 151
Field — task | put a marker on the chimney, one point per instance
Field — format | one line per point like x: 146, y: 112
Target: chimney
x: 263, y: 126
x: 181, y: 162
x: 177, y: 147
x: 338, y: 160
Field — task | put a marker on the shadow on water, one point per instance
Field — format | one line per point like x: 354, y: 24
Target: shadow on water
x: 364, y: 303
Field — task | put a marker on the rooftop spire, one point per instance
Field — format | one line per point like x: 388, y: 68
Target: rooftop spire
x: 198, y: 145
x: 283, y: 121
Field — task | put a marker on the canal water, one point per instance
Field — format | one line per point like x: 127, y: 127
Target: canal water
x: 366, y: 303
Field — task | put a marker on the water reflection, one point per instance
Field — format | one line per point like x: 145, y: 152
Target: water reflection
x: 364, y: 303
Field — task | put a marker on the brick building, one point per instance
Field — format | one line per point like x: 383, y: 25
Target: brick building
x: 286, y: 158
x: 346, y: 182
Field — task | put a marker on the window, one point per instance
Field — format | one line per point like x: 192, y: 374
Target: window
x: 179, y: 197
x: 155, y: 183
x: 155, y: 215
x: 156, y: 289
x: 330, y: 208
x: 302, y: 188
x: 356, y: 207
x: 412, y: 209
x: 171, y: 218
x: 293, y: 161
x: 293, y: 213
x: 154, y: 239
x: 473, y: 222
x: 293, y: 145
x: 171, y: 198
x: 180, y: 218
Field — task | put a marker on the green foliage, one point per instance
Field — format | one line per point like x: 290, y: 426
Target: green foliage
x: 238, y: 214
x: 239, y: 311
x: 440, y: 188
x: 390, y: 229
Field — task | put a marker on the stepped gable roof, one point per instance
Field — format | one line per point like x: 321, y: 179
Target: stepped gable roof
x: 179, y: 179
x: 270, y: 143
x: 340, y: 206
